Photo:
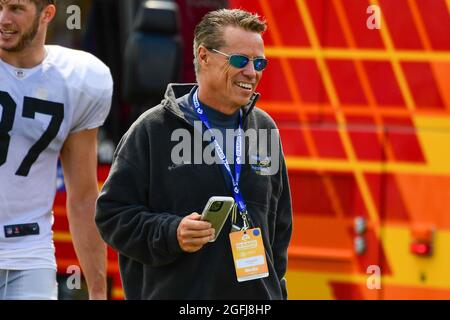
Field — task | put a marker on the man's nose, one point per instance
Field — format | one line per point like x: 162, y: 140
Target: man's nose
x: 249, y: 70
x: 5, y: 17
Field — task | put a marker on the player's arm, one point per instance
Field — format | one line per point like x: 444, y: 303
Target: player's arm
x: 79, y: 162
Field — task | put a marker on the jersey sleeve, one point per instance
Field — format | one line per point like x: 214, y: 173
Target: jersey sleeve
x: 95, y: 99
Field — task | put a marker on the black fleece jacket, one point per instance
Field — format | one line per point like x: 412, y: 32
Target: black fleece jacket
x: 146, y: 196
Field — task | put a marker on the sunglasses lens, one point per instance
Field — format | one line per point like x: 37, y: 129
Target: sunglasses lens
x: 260, y: 64
x: 238, y: 61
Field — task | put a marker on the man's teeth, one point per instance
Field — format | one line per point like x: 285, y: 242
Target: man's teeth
x: 247, y: 86
x: 8, y: 31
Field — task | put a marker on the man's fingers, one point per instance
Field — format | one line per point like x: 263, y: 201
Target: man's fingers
x: 194, y: 216
x: 193, y: 222
x: 197, y: 225
x: 193, y: 234
x: 194, y: 242
x: 197, y: 233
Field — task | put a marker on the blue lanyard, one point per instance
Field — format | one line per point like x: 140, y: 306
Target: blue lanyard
x: 237, y: 195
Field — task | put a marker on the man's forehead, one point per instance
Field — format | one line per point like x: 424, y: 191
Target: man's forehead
x: 235, y: 36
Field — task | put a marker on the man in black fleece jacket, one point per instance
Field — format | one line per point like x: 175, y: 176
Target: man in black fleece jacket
x: 148, y: 207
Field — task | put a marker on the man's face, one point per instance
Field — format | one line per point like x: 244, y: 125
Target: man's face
x: 19, y: 24
x: 227, y: 82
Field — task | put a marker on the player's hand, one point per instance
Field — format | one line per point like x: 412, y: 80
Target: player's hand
x: 97, y: 295
x: 193, y: 234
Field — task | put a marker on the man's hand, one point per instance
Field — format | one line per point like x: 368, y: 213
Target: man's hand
x: 193, y: 234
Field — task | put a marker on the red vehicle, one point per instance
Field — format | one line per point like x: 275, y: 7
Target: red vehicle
x: 364, y: 116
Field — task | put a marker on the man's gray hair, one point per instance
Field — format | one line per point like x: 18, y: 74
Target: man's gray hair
x: 209, y: 32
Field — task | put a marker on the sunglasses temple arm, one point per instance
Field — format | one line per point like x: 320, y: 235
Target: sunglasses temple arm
x: 252, y: 105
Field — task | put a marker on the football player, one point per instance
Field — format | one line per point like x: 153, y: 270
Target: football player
x: 52, y: 101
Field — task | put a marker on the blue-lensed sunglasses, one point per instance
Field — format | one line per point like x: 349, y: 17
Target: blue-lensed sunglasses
x: 240, y: 61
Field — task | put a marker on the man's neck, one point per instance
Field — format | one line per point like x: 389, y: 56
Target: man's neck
x: 215, y: 104
x: 27, y: 58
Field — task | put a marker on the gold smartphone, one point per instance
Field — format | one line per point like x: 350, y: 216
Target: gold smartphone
x: 216, y: 212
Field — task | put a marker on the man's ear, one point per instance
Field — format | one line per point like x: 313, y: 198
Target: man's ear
x: 202, y: 54
x: 48, y: 13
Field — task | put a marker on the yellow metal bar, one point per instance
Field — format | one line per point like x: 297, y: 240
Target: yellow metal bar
x: 343, y: 165
x: 361, y: 54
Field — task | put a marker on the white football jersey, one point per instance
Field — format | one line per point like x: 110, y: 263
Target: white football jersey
x: 68, y: 92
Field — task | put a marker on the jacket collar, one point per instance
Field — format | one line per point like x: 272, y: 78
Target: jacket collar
x: 176, y: 91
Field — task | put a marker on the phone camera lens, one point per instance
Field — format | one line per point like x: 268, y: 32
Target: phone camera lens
x: 216, y: 206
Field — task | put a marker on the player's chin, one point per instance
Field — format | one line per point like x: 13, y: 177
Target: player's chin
x: 8, y: 47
